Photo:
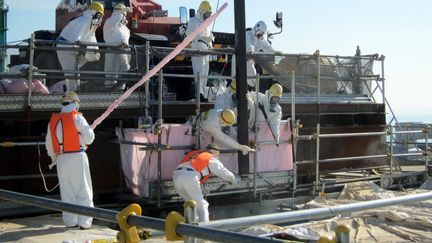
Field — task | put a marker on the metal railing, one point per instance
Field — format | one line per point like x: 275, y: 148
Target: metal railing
x: 132, y: 219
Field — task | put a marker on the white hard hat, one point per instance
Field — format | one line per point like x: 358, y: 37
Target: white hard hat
x: 70, y: 97
x: 260, y: 28
x: 120, y: 7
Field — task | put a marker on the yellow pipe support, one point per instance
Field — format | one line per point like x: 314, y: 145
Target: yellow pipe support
x: 8, y: 144
x: 128, y: 233
x: 189, y: 203
x: 326, y: 239
x: 343, y: 233
x: 172, y: 220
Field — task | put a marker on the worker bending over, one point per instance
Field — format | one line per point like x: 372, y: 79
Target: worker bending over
x: 218, y: 123
x: 194, y: 169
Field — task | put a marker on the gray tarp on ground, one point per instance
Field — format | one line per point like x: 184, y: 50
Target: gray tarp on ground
x: 403, y: 223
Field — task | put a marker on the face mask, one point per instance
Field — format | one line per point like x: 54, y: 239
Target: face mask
x: 97, y: 20
x: 226, y: 130
x: 260, y: 35
x: 274, y: 100
x: 234, y: 99
x: 206, y: 15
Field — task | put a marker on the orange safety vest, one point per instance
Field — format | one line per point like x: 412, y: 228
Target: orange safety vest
x: 199, y: 160
x: 71, y: 142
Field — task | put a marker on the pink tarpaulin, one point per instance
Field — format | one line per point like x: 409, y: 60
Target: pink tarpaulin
x: 141, y: 166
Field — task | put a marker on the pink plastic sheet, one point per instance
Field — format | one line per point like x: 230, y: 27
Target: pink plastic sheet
x: 20, y: 86
x: 141, y: 166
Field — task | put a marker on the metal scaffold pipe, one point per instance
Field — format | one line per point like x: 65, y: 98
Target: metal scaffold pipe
x: 313, y: 214
x: 141, y: 221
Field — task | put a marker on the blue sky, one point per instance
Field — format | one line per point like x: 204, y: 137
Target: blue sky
x: 400, y: 30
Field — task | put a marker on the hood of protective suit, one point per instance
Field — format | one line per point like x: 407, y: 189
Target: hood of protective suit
x: 115, y: 31
x: 69, y: 108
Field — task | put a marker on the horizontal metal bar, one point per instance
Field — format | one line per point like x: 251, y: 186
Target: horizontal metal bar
x: 304, y: 162
x: 30, y: 176
x: 341, y: 135
x: 405, y: 132
x: 312, y: 214
x: 14, y: 144
x: 142, y: 221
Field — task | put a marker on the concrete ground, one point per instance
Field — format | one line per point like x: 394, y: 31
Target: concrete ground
x: 50, y: 228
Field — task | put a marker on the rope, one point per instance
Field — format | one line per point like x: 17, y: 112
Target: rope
x: 40, y: 171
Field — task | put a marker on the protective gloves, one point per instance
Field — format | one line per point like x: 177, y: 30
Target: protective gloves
x: 54, y: 161
x: 246, y: 149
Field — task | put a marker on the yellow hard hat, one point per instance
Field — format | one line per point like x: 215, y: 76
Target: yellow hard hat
x: 205, y: 6
x: 276, y: 90
x: 227, y: 117
x: 70, y: 97
x: 120, y: 7
x: 233, y: 86
x: 97, y: 6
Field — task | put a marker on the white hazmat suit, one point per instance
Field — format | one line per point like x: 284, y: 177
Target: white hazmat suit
x: 73, y: 169
x: 268, y: 113
x: 203, y: 41
x: 115, y: 31
x: 209, y: 121
x: 80, y: 29
x: 255, y: 42
x: 187, y: 183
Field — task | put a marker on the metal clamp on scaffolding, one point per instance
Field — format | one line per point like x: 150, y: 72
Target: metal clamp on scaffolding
x: 128, y: 233
x: 172, y: 220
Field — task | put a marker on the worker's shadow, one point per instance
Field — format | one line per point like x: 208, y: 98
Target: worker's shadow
x: 21, y: 228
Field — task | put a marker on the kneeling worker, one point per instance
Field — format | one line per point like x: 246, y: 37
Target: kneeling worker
x: 194, y: 169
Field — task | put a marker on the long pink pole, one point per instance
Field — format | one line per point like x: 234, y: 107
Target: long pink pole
x: 156, y: 69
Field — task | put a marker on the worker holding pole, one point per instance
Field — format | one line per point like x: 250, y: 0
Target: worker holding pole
x: 67, y: 138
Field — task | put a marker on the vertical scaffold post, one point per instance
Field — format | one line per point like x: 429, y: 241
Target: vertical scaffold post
x: 147, y: 84
x: 159, y: 133
x: 197, y: 110
x: 256, y: 135
x: 317, y: 160
x: 427, y: 150
x: 294, y: 135
x: 30, y: 70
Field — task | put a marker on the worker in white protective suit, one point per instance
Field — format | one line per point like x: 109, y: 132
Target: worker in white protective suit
x: 203, y: 41
x: 67, y: 138
x: 80, y: 29
x: 194, y: 169
x: 255, y: 42
x: 228, y: 100
x: 116, y: 32
x: 269, y: 110
x: 218, y: 123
